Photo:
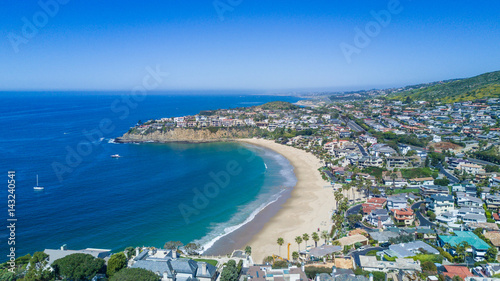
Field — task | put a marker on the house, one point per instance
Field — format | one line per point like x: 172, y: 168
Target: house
x: 166, y: 264
x: 470, y: 168
x: 373, y: 204
x: 368, y: 139
x: 394, y: 179
x: 380, y: 218
x: 404, y: 216
x: 486, y: 226
x: 267, y: 273
x: 396, y: 202
x: 382, y: 149
x: 324, y: 250
x: 353, y: 239
x: 464, y: 200
x: 399, y: 162
x: 383, y: 236
x: 370, y: 263
x: 493, y: 201
x: 342, y: 274
x: 55, y: 254
x: 494, y: 237
x: 441, y: 203
x: 370, y: 161
x: 404, y: 250
x: 454, y: 270
x: 422, y: 181
x: 479, y: 247
x: 403, y: 149
x: 429, y: 190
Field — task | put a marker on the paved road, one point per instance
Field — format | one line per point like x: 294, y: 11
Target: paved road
x: 362, y: 149
x: 423, y: 221
x: 481, y: 162
x: 451, y: 177
x: 353, y: 210
x: 354, y: 126
x: 356, y: 254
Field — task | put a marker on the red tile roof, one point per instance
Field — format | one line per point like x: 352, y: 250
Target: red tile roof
x: 453, y: 270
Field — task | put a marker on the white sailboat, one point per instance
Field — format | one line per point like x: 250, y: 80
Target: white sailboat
x: 37, y: 187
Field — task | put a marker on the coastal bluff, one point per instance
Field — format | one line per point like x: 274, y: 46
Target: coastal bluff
x: 188, y: 135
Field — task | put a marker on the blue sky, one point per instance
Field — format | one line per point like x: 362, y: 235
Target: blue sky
x: 262, y: 45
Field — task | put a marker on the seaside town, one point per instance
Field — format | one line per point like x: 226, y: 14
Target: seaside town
x: 415, y: 186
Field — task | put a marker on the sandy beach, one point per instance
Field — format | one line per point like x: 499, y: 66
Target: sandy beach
x: 309, y: 207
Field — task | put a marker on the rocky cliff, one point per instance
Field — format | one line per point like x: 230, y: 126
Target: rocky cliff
x: 189, y: 135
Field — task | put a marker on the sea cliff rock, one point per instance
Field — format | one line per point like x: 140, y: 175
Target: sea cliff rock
x: 189, y: 135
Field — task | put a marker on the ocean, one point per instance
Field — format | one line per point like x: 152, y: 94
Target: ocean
x: 153, y: 194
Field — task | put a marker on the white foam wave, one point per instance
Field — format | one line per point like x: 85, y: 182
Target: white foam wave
x: 224, y: 229
x: 112, y: 141
x: 229, y: 229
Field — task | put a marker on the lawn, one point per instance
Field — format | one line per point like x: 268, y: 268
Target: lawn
x: 212, y: 262
x: 418, y: 173
x: 428, y: 257
x: 406, y: 190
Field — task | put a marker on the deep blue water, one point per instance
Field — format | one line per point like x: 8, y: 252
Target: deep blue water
x: 149, y: 196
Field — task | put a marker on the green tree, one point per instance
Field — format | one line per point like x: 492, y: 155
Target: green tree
x: 6, y: 275
x: 135, y: 274
x: 37, y: 269
x: 298, y: 240
x: 192, y: 248
x: 129, y: 252
x: 428, y: 266
x: 442, y: 182
x: 491, y: 254
x: 280, y: 243
x: 353, y: 219
x: 78, y: 267
x: 248, y: 250
x: 172, y: 245
x: 280, y: 264
x: 295, y: 255
x: 230, y: 272
x: 115, y: 263
x: 315, y: 238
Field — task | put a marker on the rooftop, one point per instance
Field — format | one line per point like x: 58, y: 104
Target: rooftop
x: 467, y: 236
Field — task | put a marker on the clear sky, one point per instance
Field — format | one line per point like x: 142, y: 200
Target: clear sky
x: 245, y: 44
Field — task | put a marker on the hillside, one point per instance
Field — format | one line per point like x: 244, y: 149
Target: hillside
x: 479, y: 87
x: 278, y: 105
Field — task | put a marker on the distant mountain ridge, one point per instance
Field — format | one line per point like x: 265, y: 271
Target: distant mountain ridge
x: 483, y: 86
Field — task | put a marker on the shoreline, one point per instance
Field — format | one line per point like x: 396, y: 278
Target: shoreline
x: 308, y: 207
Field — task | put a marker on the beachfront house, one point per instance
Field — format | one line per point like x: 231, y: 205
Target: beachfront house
x: 166, y: 265
x: 267, y: 273
x: 370, y: 263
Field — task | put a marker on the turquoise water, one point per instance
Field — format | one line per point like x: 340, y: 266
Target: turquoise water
x: 153, y: 194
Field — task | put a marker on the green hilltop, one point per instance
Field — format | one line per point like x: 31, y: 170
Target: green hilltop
x: 278, y: 105
x: 483, y: 86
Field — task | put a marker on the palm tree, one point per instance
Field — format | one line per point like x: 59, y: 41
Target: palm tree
x: 298, y: 240
x: 315, y: 238
x: 280, y: 242
x: 305, y: 237
x: 324, y: 235
x: 248, y: 250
